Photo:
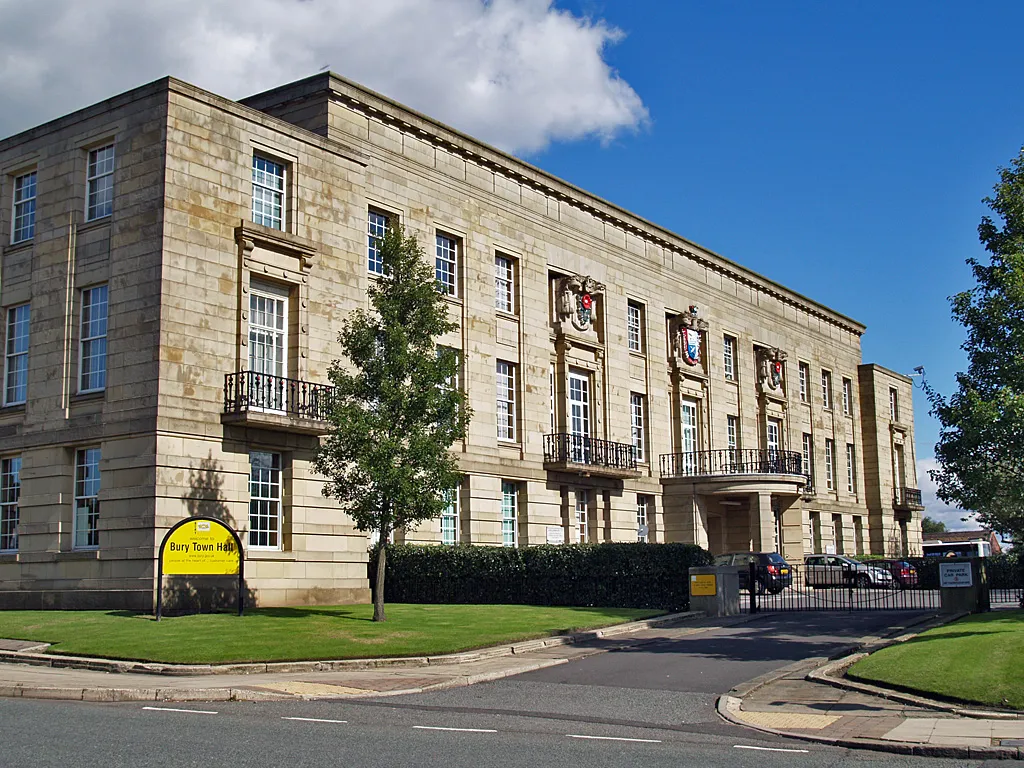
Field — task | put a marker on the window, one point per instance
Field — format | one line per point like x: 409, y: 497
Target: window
x: 376, y: 225
x: 808, y: 458
x: 446, y: 264
x: 826, y: 389
x: 16, y: 356
x: 450, y: 518
x: 837, y: 534
x: 688, y: 428
x: 504, y: 283
x: 264, y: 500
x: 847, y: 397
x: 636, y: 413
x: 506, y: 400
x: 773, y: 435
x: 509, y: 507
x: 267, y: 192
x: 805, y: 376
x: 729, y: 357
x: 86, y: 533
x: 894, y: 404
x: 582, y: 504
x: 100, y: 183
x: 642, y: 504
x: 830, y: 466
x: 10, y: 491
x: 452, y: 382
x: 24, y: 208
x: 851, y: 472
x: 732, y: 437
x: 551, y: 385
x: 634, y: 326
x: 92, y: 353
x: 268, y: 346
x: 858, y: 534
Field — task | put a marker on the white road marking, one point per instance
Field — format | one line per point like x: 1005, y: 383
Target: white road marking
x: 612, y: 738
x: 461, y: 730
x: 190, y: 711
x: 769, y: 749
x: 313, y: 720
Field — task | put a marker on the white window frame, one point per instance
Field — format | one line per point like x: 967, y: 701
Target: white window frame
x: 729, y: 356
x: 803, y: 373
x: 847, y: 396
x: 637, y: 419
x: 16, y: 356
x: 826, y: 389
x: 894, y: 404
x: 377, y: 224
x: 851, y: 468
x: 23, y: 209
x: 266, y: 500
x: 10, y: 492
x: 642, y: 517
x: 446, y: 264
x: 808, y: 456
x: 269, y: 191
x: 504, y: 283
x: 86, y: 511
x: 634, y: 326
x: 689, y: 420
x: 505, y: 400
x: 509, y: 513
x: 732, y: 437
x: 99, y: 181
x: 271, y: 395
x: 86, y: 343
x: 583, y: 514
x: 830, y: 467
x: 773, y: 435
x: 450, y: 517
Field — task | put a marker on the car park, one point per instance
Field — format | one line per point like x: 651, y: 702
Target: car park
x: 772, y: 573
x: 821, y: 571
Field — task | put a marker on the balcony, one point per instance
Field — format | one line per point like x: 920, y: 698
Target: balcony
x: 908, y: 499
x: 737, y: 471
x: 586, y: 455
x: 273, y: 402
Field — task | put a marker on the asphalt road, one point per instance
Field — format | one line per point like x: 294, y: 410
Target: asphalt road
x: 651, y: 705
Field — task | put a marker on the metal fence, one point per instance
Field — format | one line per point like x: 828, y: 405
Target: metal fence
x: 570, y: 448
x: 251, y: 391
x: 731, y: 461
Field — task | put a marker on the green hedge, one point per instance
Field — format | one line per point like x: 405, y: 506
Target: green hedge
x: 601, y: 575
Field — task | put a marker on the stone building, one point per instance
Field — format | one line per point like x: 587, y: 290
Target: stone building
x: 176, y: 267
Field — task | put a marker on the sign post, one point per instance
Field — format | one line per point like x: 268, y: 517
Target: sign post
x: 200, y: 546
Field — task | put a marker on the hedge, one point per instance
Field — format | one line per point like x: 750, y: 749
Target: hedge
x: 612, y: 575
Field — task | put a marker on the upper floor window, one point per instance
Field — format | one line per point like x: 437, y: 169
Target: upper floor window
x: 376, y: 225
x: 92, y: 354
x: 506, y: 400
x: 634, y: 326
x: 24, y: 208
x: 636, y: 415
x: 894, y: 404
x: 851, y: 469
x: 10, y: 492
x: 830, y: 464
x: 826, y: 389
x: 847, y: 396
x: 808, y: 457
x: 446, y: 264
x: 804, y: 376
x: 86, y: 533
x: 100, y: 183
x: 16, y: 356
x: 729, y: 357
x: 504, y: 283
x: 267, y: 192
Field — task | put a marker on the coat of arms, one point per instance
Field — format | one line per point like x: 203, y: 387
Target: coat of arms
x: 686, y: 339
x: 576, y: 300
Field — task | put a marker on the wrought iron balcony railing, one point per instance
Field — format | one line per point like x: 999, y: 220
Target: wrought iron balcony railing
x: 248, y: 391
x: 565, y: 448
x: 731, y: 462
x: 907, y: 498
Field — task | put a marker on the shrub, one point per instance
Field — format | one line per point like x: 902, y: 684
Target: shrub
x: 614, y: 575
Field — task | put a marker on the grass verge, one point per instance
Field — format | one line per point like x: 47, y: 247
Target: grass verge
x: 979, y: 660
x: 291, y: 634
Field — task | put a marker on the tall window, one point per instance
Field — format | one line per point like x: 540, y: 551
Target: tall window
x: 847, y: 396
x: 504, y: 283
x: 450, y: 518
x: 732, y: 437
x: 446, y: 264
x: 851, y: 471
x: 267, y: 192
x: 10, y: 491
x: 509, y: 507
x: 268, y: 345
x: 636, y: 414
x: 837, y: 534
x: 830, y: 464
x: 729, y: 357
x: 773, y: 435
x: 264, y: 500
x: 87, y: 502
x: 690, y: 444
x: 506, y: 400
x: 100, y: 183
x: 894, y: 404
x: 24, y: 208
x: 634, y: 327
x: 582, y: 505
x: 92, y: 356
x: 376, y: 225
x: 642, y: 506
x: 808, y: 458
x: 826, y: 389
x: 16, y: 356
x: 805, y: 376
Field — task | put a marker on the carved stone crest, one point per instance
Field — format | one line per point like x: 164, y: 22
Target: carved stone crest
x: 769, y: 368
x: 686, y: 335
x: 576, y: 295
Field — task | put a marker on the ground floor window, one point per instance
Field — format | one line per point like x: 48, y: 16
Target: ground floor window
x: 582, y: 504
x: 265, y: 500
x: 858, y: 534
x: 642, y: 508
x: 837, y: 534
x: 450, y: 519
x: 87, y: 503
x: 10, y: 491
x: 509, y: 506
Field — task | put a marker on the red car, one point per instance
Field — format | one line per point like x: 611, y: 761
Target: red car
x: 903, y: 573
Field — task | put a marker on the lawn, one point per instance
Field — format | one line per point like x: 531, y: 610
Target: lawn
x: 979, y: 659
x: 289, y: 634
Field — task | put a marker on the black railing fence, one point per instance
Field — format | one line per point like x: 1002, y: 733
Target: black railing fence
x: 583, y: 449
x: 907, y: 497
x: 251, y: 391
x: 731, y: 461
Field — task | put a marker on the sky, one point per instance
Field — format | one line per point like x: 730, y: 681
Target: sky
x: 841, y: 149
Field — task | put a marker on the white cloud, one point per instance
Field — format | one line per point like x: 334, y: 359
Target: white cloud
x: 516, y: 73
x: 934, y: 507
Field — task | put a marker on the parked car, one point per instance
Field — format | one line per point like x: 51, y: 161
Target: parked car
x: 839, y: 571
x: 774, y: 574
x: 903, y: 573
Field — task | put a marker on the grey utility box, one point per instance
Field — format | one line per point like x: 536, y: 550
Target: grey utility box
x: 715, y: 590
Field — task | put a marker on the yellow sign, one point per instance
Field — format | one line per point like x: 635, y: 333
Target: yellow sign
x: 201, y: 547
x: 703, y: 585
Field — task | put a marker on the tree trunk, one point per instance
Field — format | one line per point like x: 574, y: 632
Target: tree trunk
x: 378, y: 589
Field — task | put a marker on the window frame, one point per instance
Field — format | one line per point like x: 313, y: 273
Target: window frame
x: 25, y: 201
x: 729, y: 356
x: 643, y: 516
x: 505, y: 283
x: 451, y: 514
x: 830, y: 467
x: 582, y: 514
x: 804, y: 375
x: 505, y: 400
x: 637, y: 425
x: 10, y: 324
x: 273, y: 537
x: 635, y: 326
x: 83, y: 485
x: 807, y: 456
x: 447, y: 255
x: 371, y: 248
x: 826, y: 389
x: 282, y: 194
x: 10, y: 494
x: 83, y: 340
x: 894, y: 405
x: 509, y: 523
x: 851, y: 468
x: 93, y: 211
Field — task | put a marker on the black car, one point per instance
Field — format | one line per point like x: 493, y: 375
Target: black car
x: 773, y: 573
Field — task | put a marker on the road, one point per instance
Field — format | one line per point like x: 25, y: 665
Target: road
x: 652, y: 704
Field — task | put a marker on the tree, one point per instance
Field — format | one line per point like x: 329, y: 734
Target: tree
x: 932, y: 526
x: 981, y: 439
x: 394, y: 414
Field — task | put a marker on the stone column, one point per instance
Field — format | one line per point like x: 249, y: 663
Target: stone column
x: 762, y: 522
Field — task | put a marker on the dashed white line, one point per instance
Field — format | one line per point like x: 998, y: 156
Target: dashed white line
x: 612, y: 738
x: 769, y: 749
x: 314, y: 720
x: 460, y: 730
x: 190, y: 711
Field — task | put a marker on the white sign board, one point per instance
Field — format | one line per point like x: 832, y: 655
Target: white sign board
x: 955, y: 575
x: 555, y: 534
x: 830, y: 549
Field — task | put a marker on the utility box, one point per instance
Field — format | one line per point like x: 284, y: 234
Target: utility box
x: 715, y: 590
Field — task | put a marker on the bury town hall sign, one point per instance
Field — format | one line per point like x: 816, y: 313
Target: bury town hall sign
x: 200, y: 546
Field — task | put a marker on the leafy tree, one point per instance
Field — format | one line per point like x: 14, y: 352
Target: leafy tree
x: 981, y: 440
x: 932, y: 526
x: 394, y: 415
